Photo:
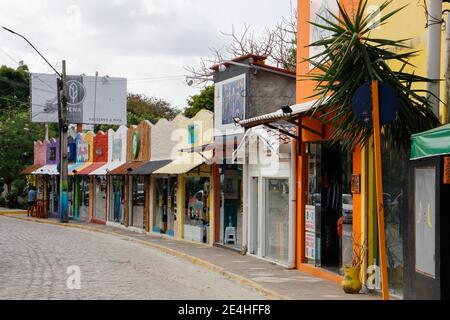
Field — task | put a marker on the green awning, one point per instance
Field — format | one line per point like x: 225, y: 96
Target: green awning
x: 431, y: 143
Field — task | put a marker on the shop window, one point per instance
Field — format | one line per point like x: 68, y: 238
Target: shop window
x: 277, y: 219
x: 197, y: 209
x: 52, y: 153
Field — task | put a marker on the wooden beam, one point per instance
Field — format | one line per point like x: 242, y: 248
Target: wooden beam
x: 379, y: 189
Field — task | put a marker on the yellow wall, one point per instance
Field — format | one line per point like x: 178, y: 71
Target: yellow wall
x: 410, y: 23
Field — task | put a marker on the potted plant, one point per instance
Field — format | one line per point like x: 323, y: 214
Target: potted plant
x: 352, y: 283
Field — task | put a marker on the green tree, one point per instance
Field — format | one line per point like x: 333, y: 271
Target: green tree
x: 14, y: 87
x: 351, y: 58
x: 203, y: 100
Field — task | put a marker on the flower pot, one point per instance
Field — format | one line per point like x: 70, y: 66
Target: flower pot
x: 351, y: 283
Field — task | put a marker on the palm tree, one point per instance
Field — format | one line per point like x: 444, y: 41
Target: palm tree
x: 349, y: 59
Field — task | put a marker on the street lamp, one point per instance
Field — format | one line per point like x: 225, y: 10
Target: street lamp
x: 63, y: 128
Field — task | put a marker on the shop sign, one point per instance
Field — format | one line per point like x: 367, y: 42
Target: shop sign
x: 135, y: 145
x: 356, y: 183
x: 83, y: 152
x: 117, y: 149
x: 310, y: 218
x: 310, y: 245
x: 446, y: 170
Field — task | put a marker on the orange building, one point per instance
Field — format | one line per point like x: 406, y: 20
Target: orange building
x: 328, y: 210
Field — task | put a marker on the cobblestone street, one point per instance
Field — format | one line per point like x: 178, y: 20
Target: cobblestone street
x: 35, y: 258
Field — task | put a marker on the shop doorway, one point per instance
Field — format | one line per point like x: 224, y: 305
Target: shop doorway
x: 138, y: 201
x: 116, y: 208
x: 231, y: 206
x: 164, y: 205
x: 330, y: 206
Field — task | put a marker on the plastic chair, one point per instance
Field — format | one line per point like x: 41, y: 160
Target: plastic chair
x: 230, y: 235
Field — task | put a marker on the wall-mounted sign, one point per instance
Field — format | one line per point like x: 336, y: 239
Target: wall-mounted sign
x: 310, y: 218
x: 446, y: 172
x: 356, y: 183
x: 135, y: 147
x: 191, y: 134
x: 229, y: 103
x: 310, y: 245
x: 83, y: 152
x: 117, y: 149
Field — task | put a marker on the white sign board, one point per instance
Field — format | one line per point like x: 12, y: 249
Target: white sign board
x: 229, y: 103
x: 310, y: 245
x: 320, y: 8
x: 425, y: 216
x: 310, y: 218
x: 90, y: 100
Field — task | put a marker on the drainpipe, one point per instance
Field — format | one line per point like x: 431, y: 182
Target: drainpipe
x: 292, y: 206
x: 434, y: 50
x: 445, y: 114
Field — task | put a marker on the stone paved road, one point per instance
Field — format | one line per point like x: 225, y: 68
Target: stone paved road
x: 34, y: 259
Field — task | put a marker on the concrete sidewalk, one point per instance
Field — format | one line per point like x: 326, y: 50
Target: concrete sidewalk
x: 271, y: 280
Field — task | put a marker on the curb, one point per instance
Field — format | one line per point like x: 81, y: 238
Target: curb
x: 196, y: 261
x: 2, y: 213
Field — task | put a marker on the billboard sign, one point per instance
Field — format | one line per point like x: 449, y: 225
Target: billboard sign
x: 230, y: 99
x: 90, y: 100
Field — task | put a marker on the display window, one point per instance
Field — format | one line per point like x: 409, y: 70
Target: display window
x: 117, y: 199
x: 84, y: 198
x: 196, y: 227
x: 277, y: 219
x: 329, y: 210
x: 100, y: 198
x: 164, y: 205
x: 138, y: 201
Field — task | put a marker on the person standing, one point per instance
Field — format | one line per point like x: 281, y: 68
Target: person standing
x: 31, y: 199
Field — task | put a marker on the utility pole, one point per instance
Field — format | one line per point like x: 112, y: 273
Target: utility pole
x: 434, y: 22
x: 63, y: 130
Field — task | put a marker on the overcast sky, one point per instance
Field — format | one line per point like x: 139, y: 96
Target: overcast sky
x: 147, y: 41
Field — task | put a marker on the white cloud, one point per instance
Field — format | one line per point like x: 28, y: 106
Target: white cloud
x: 134, y: 38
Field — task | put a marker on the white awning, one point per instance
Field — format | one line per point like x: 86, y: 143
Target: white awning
x: 50, y: 170
x: 279, y: 115
x: 106, y: 168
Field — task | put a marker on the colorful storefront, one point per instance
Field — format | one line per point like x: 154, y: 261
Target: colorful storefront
x: 117, y: 153
x: 136, y: 199
x: 79, y: 185
x: 192, y: 195
x: 162, y: 188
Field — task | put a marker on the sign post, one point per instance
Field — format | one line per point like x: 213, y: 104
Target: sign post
x: 379, y: 189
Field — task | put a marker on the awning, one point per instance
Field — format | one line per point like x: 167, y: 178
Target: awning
x: 431, y: 143
x: 87, y: 170
x: 50, y: 170
x: 32, y: 168
x: 296, y: 109
x: 273, y: 139
x: 150, y: 167
x: 74, y: 168
x: 126, y: 168
x: 182, y: 164
x: 108, y: 167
